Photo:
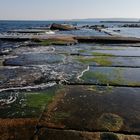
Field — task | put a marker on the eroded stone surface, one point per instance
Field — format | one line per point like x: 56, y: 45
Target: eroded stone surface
x: 89, y: 107
x: 34, y: 59
x: 18, y: 77
x: 52, y: 134
x: 17, y: 129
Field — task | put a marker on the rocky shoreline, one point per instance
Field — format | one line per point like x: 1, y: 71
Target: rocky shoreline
x: 63, y: 86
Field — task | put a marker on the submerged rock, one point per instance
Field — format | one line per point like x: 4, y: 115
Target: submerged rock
x: 94, y: 108
x: 34, y: 59
x: 110, y: 122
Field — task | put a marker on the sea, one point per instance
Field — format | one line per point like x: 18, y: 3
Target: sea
x: 5, y: 26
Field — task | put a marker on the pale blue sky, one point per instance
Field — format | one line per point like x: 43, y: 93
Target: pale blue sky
x: 68, y: 9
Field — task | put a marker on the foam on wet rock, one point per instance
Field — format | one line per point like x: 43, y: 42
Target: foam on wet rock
x: 18, y: 76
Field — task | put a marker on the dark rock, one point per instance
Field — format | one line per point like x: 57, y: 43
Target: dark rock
x: 53, y: 134
x: 131, y: 25
x: 97, y: 27
x: 17, y: 129
x: 34, y: 59
x: 19, y: 76
x: 108, y: 40
x: 62, y: 27
x: 85, y: 26
x: 116, y: 30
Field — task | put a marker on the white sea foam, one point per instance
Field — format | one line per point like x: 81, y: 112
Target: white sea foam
x: 50, y: 32
x: 41, y: 86
x: 79, y: 76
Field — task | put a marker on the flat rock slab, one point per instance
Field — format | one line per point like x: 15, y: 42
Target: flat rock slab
x: 18, y: 76
x: 21, y: 76
x: 84, y: 32
x: 17, y: 129
x: 31, y: 31
x: 109, y: 61
x: 34, y: 59
x: 94, y: 108
x: 53, y: 134
x: 125, y: 52
x: 116, y: 76
x: 25, y: 104
x: 33, y: 49
x: 106, y: 39
x: 20, y: 112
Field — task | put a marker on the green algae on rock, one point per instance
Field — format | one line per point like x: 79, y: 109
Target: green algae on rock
x: 110, y: 122
x: 100, y: 60
x: 26, y: 104
x: 95, y: 76
x: 52, y: 42
x: 106, y: 76
x: 62, y: 41
x: 101, y: 54
x: 100, y: 90
x: 39, y: 99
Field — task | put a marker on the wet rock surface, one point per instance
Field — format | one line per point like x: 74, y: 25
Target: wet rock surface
x: 79, y: 135
x: 18, y: 77
x: 95, y: 108
x: 34, y: 59
x: 66, y: 87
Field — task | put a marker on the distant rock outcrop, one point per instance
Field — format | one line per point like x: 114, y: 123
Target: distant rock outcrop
x: 62, y: 27
x: 131, y: 25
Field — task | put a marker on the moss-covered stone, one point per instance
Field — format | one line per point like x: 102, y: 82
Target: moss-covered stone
x: 82, y: 51
x: 38, y: 99
x: 110, y: 122
x: 112, y: 77
x: 53, y: 42
x: 101, y: 54
x: 101, y: 60
x: 100, y: 90
x: 95, y: 77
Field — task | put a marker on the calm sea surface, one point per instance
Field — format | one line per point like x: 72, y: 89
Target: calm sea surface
x: 11, y: 25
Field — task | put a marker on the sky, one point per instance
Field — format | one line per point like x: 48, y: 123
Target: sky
x: 68, y: 9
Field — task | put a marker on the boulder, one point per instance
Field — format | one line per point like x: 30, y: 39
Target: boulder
x: 62, y: 27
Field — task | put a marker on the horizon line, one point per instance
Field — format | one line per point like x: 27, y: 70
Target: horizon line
x: 67, y: 19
